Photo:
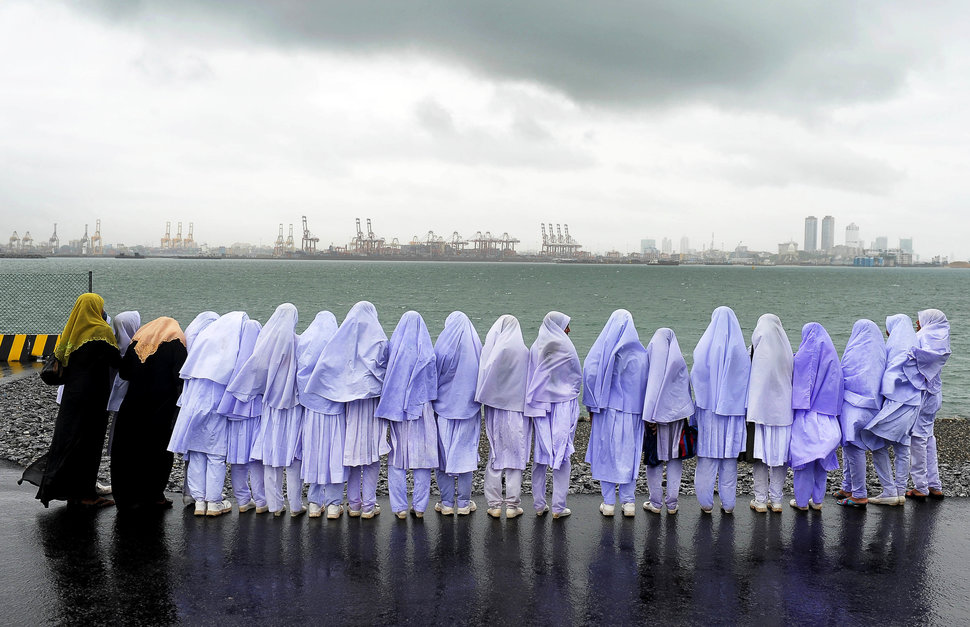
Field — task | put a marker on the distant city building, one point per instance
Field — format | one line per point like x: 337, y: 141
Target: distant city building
x: 811, y: 234
x: 648, y: 246
x: 881, y: 243
x: 788, y: 252
x: 828, y: 234
x: 906, y: 245
x: 666, y: 246
x: 852, y: 239
x: 684, y: 245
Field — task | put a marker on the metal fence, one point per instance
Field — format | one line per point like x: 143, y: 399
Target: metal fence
x: 39, y: 303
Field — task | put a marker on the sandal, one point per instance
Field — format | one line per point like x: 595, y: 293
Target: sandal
x: 97, y: 503
x: 842, y: 494
x: 851, y: 502
x: 936, y: 494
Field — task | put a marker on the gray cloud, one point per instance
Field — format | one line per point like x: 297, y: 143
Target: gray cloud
x: 795, y: 55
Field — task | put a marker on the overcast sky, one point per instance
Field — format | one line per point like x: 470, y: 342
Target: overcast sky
x: 624, y: 120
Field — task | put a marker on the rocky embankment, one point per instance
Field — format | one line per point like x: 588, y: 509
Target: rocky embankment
x: 28, y: 410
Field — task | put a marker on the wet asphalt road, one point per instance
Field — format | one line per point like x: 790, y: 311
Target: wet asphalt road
x: 884, y: 565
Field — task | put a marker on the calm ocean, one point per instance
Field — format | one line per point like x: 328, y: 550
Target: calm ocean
x: 679, y: 297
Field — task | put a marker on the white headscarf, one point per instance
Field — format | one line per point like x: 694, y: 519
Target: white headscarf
x: 555, y: 374
x: 770, y: 385
x: 271, y: 369
x: 721, y: 366
x: 504, y: 367
x: 213, y: 353
x: 353, y: 363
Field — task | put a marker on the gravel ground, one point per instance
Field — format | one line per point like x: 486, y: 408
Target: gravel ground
x: 28, y: 410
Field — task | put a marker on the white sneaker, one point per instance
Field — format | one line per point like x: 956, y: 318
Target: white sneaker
x: 776, y: 507
x: 673, y: 511
x: 647, y: 505
x: 495, y: 512
x: 334, y: 511
x: 542, y: 512
x: 793, y: 503
x: 370, y: 513
x: 417, y: 514
x: 245, y: 507
x: 607, y: 510
x: 816, y: 506
x: 513, y: 512
x: 402, y: 515
x: 102, y: 489
x: 464, y: 511
x: 882, y: 499
x: 444, y: 509
x: 565, y: 512
x: 727, y: 511
x: 279, y: 512
x: 297, y: 513
x: 472, y: 507
x: 200, y: 508
x: 901, y: 500
x: 353, y: 513
x: 758, y: 506
x: 629, y: 510
x: 315, y: 511
x: 262, y: 509
x: 218, y: 508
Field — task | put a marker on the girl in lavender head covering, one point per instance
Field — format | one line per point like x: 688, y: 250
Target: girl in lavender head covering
x: 324, y: 424
x: 893, y: 424
x: 351, y: 370
x: 201, y: 433
x: 817, y: 400
x: 863, y: 363
x: 929, y: 356
x: 501, y: 389
x: 271, y: 371
x: 614, y: 377
x: 411, y: 383
x: 769, y: 408
x: 719, y: 377
x: 457, y: 354
x: 198, y: 324
x: 124, y: 325
x: 244, y: 418
x: 552, y: 401
x: 667, y: 406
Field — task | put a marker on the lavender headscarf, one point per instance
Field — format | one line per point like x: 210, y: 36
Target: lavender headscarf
x: 124, y: 326
x: 504, y: 367
x: 667, y: 397
x: 352, y: 364
x: 863, y: 363
x: 817, y: 384
x: 721, y: 366
x: 931, y: 351
x: 411, y: 379
x: 213, y: 354
x: 309, y: 347
x: 770, y: 385
x: 896, y: 384
x: 615, y: 370
x: 271, y: 369
x: 457, y: 352
x: 195, y: 327
x: 230, y: 406
x: 555, y: 374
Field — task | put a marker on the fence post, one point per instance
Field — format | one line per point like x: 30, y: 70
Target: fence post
x: 90, y: 281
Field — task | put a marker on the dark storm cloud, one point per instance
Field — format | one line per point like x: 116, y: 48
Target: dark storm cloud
x: 763, y: 55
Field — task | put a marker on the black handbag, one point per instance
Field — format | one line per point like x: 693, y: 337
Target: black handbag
x: 53, y: 372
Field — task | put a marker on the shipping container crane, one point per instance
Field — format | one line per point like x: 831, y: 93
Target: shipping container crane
x: 309, y: 244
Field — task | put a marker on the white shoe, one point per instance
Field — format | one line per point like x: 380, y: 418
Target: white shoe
x: 402, y: 515
x: 200, y: 508
x: 776, y: 507
x: 606, y: 510
x: 647, y: 505
x: 758, y: 506
x: 187, y: 500
x: 816, y: 506
x: 542, y: 512
x: 901, y: 500
x: 370, y: 513
x: 279, y: 512
x: 629, y: 510
x: 315, y: 511
x: 513, y: 512
x: 472, y: 507
x: 885, y: 500
x: 245, y: 507
x: 334, y: 511
x: 417, y: 514
x: 444, y: 509
x: 297, y: 513
x: 565, y: 512
x: 262, y: 509
x: 464, y: 511
x: 495, y: 512
x: 674, y: 511
x: 353, y: 513
x: 218, y: 508
x: 793, y: 503
x: 705, y: 510
x: 102, y: 489
x: 727, y: 511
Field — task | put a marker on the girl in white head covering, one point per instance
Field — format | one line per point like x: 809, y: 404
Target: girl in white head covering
x: 201, y: 433
x: 928, y: 358
x: 719, y: 377
x: 271, y: 371
x: 769, y: 408
x: 501, y: 383
x: 615, y: 377
x: 552, y: 400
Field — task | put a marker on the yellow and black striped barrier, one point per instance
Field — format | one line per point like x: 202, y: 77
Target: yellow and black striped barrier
x: 23, y: 347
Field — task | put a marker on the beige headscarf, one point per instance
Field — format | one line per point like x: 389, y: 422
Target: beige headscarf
x: 155, y: 333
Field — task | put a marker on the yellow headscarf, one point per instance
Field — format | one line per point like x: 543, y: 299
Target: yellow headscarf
x: 153, y: 334
x: 84, y: 325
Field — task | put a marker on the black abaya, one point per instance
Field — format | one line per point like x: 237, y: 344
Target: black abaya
x: 140, y: 461
x: 75, y: 451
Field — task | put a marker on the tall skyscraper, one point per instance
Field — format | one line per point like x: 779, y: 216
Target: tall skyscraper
x: 666, y: 246
x: 881, y: 244
x: 852, y: 239
x: 684, y: 245
x: 906, y: 245
x: 828, y: 234
x: 811, y: 234
x: 648, y: 246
